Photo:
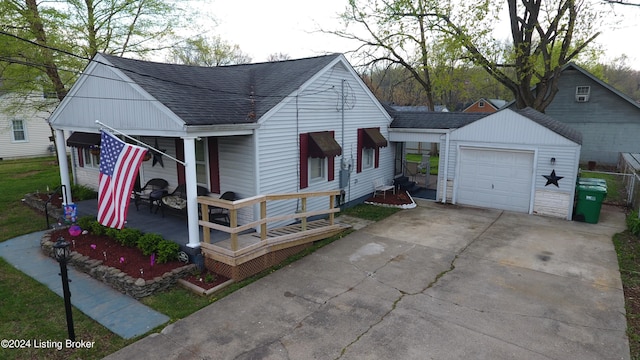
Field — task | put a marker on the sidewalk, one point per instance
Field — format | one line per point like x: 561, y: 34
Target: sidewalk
x: 117, y: 312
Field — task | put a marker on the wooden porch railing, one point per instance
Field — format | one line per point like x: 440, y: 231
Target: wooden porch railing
x: 262, y: 223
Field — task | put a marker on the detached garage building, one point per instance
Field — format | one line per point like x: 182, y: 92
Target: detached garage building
x: 516, y: 160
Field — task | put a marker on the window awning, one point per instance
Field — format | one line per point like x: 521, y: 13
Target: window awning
x: 83, y: 140
x: 373, y: 139
x: 322, y: 144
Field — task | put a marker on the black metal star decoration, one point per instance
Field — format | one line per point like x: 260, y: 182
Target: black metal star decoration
x: 552, y: 179
x: 157, y: 155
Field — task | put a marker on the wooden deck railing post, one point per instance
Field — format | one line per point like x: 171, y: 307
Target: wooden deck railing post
x: 233, y: 223
x: 332, y: 202
x: 206, y: 232
x: 304, y: 210
x: 263, y: 215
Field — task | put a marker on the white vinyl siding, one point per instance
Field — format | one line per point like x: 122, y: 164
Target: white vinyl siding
x: 318, y: 108
x: 29, y: 135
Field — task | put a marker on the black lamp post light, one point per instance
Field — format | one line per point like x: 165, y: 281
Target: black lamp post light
x: 62, y: 253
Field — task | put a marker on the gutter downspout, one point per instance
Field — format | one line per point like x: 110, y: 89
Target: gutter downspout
x: 446, y: 166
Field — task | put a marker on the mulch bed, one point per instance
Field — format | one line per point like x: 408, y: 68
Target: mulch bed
x: 399, y: 199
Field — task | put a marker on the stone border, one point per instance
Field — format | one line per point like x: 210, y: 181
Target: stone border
x: 200, y: 291
x: 33, y: 201
x: 136, y: 288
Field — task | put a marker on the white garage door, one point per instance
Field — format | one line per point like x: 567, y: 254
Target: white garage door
x: 498, y: 179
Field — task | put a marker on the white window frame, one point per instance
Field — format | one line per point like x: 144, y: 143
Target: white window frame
x: 583, y: 93
x: 90, y: 160
x: 22, y: 130
x: 368, y: 158
x: 319, y: 164
x: 481, y: 104
x: 202, y: 164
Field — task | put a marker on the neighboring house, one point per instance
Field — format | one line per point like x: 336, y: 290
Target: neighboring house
x: 268, y: 128
x: 485, y: 106
x: 24, y: 131
x: 519, y: 160
x: 608, y: 119
x: 437, y: 108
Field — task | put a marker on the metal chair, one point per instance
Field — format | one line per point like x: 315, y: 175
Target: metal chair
x: 152, y: 192
x: 222, y: 213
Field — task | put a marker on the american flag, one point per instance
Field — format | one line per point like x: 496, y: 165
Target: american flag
x: 119, y: 164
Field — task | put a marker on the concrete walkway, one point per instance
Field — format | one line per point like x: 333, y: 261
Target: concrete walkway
x: 117, y: 312
x: 434, y: 282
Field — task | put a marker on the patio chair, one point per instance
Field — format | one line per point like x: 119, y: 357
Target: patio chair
x: 151, y: 192
x: 222, y: 213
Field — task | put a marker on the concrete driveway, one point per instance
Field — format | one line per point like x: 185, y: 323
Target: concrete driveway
x: 434, y: 282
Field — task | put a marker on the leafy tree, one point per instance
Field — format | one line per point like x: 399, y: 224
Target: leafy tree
x: 49, y: 43
x: 544, y: 37
x: 204, y: 51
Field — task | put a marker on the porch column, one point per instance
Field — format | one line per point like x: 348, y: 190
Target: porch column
x: 192, y: 191
x: 61, y: 149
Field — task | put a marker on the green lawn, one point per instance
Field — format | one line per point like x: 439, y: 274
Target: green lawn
x: 31, y: 311
x: 417, y: 158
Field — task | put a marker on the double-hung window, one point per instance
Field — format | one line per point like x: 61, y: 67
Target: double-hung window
x: 18, y: 131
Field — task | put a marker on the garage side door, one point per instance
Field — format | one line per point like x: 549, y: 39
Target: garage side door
x: 498, y: 179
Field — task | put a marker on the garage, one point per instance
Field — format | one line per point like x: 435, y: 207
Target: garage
x: 495, y: 178
x: 513, y: 160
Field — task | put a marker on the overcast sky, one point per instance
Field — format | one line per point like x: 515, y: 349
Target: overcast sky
x: 265, y: 27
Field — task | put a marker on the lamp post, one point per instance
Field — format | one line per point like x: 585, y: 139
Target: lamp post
x: 61, y: 250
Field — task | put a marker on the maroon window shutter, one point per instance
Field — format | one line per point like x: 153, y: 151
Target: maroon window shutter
x: 377, y: 163
x: 180, y: 156
x: 214, y: 167
x: 331, y: 163
x: 359, y: 157
x: 80, y: 157
x: 304, y: 159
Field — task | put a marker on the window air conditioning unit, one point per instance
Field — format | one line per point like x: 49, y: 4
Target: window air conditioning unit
x: 582, y: 98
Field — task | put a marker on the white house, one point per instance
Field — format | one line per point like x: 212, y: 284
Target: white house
x: 277, y: 127
x: 24, y: 131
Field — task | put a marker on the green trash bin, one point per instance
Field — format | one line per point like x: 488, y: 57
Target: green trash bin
x: 590, y: 198
x: 592, y: 181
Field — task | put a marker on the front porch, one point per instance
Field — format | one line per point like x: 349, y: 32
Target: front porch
x: 238, y: 251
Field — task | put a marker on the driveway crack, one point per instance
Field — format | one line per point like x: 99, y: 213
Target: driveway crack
x: 430, y: 285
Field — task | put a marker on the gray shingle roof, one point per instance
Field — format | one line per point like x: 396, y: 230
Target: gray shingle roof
x: 237, y: 94
x: 556, y: 126
x: 432, y: 120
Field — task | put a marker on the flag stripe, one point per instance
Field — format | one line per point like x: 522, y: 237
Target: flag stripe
x: 119, y: 164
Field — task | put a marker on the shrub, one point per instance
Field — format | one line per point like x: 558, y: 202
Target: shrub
x: 633, y: 223
x: 111, y: 232
x: 167, y: 251
x: 97, y: 228
x: 85, y: 222
x: 128, y: 237
x: 148, y: 243
x: 81, y: 192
